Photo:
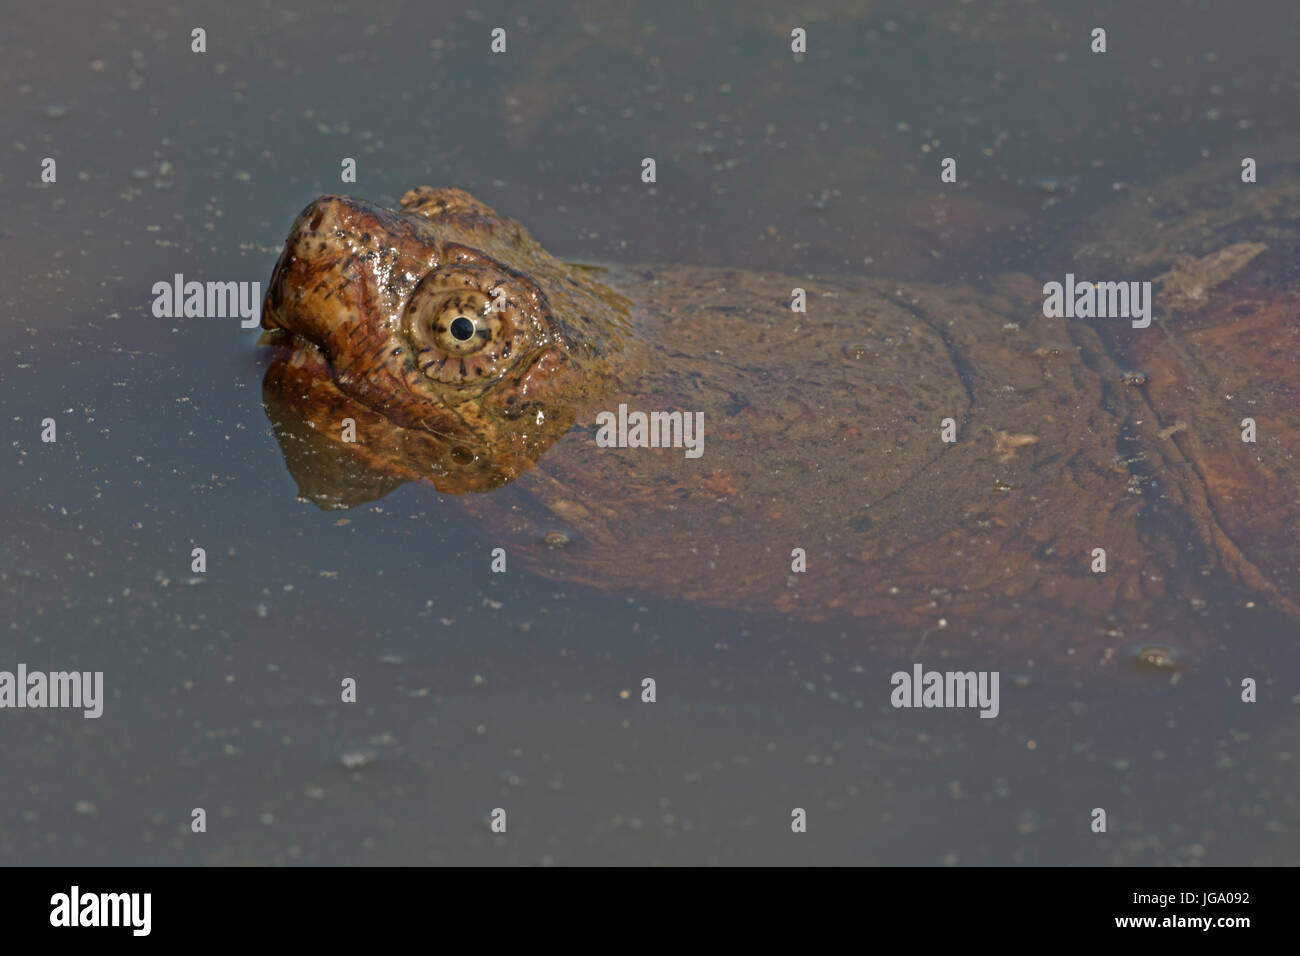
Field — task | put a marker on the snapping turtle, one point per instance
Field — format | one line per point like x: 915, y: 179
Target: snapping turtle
x: 464, y: 354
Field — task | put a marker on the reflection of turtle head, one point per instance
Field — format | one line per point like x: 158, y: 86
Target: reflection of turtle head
x: 343, y: 454
x: 444, y: 331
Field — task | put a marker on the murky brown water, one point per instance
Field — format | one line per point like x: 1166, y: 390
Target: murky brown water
x: 478, y: 690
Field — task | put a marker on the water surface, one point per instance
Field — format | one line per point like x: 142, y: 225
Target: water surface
x: 478, y: 690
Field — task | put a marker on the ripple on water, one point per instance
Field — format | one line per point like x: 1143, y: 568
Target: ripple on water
x: 1155, y: 656
x: 557, y: 538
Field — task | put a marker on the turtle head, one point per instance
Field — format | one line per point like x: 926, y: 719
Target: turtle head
x: 441, y: 317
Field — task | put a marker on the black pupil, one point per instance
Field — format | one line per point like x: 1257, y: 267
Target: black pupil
x: 462, y: 328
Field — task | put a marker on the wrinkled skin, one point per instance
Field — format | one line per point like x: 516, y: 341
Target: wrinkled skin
x: 822, y: 430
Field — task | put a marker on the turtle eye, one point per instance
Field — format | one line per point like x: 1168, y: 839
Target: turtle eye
x: 459, y: 334
x: 462, y: 328
x: 461, y: 325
